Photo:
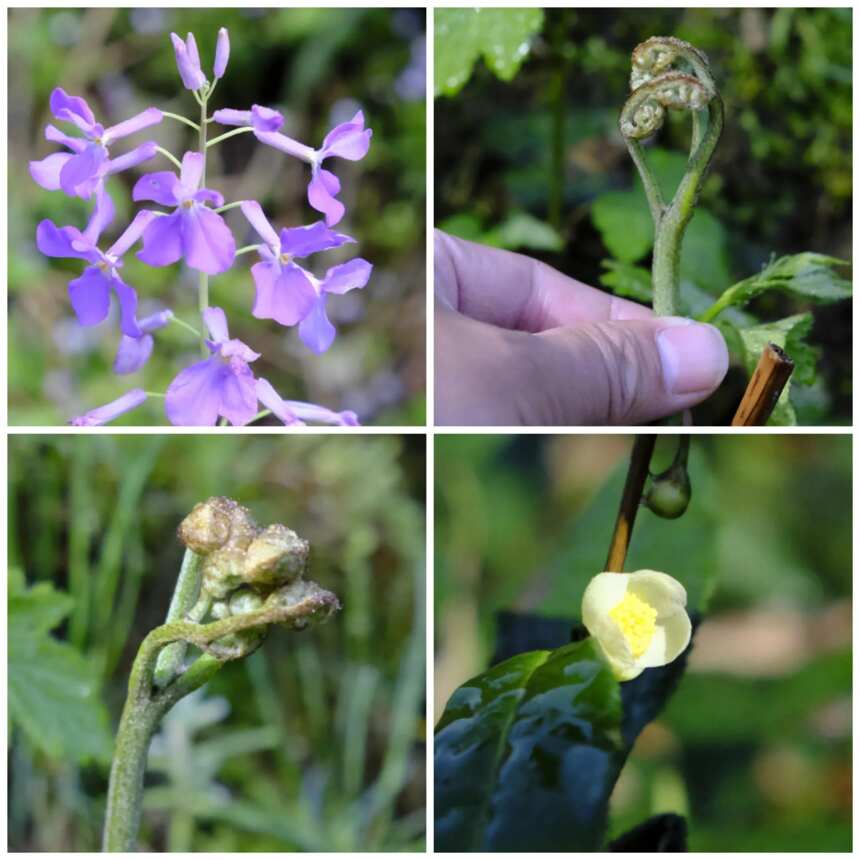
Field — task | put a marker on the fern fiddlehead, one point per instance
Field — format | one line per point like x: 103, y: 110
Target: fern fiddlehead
x: 670, y: 74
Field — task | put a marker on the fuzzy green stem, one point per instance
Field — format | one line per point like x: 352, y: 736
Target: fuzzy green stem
x: 185, y: 596
x: 227, y: 206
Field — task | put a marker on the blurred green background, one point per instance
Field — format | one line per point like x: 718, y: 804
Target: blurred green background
x: 317, y: 66
x: 535, y: 162
x: 755, y: 746
x: 316, y: 742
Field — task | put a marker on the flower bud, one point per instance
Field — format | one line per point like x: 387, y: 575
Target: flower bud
x: 276, y: 556
x: 234, y: 646
x: 207, y: 527
x: 222, y: 53
x: 222, y: 571
x: 669, y: 493
x: 244, y: 600
x: 220, y: 610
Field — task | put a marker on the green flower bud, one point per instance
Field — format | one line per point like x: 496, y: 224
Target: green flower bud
x: 669, y: 493
x: 244, y: 600
x: 220, y: 609
x: 222, y: 571
x: 276, y: 556
x: 234, y: 646
x: 215, y: 523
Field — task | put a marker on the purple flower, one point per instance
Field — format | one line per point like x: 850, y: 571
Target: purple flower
x: 315, y: 330
x: 296, y: 413
x: 134, y: 352
x: 192, y: 230
x: 349, y: 140
x: 188, y: 62
x: 82, y: 171
x: 261, y: 119
x: 285, y: 291
x: 221, y: 385
x: 90, y: 293
x: 96, y: 417
x: 222, y: 53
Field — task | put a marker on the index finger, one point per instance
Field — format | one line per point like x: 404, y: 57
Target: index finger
x: 513, y: 291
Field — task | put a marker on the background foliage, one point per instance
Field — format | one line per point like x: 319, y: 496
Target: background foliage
x: 755, y: 746
x: 529, y: 157
x: 316, y: 742
x: 315, y: 66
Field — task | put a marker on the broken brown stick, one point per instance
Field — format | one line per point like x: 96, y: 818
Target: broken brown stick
x: 766, y: 384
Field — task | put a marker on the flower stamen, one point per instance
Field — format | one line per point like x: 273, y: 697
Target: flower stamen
x: 637, y: 620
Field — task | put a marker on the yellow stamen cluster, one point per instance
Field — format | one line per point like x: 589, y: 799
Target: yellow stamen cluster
x: 637, y: 620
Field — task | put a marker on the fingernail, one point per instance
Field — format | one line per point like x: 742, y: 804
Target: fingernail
x: 693, y: 355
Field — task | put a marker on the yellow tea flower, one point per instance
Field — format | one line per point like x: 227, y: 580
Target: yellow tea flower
x: 638, y: 620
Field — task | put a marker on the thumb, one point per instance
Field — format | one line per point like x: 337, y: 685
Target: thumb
x: 623, y: 372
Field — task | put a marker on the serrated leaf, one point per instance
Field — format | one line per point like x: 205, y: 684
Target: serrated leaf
x: 790, y: 335
x: 501, y: 36
x: 809, y: 275
x: 535, y: 739
x: 53, y: 692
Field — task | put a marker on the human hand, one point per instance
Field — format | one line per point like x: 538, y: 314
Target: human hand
x: 518, y: 343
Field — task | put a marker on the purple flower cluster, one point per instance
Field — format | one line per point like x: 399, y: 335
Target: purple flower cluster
x: 222, y: 386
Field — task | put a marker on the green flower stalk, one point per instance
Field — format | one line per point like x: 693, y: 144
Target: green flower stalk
x: 657, y: 86
x: 247, y: 579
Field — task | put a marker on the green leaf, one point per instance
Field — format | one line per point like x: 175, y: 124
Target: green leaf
x: 624, y: 223
x: 522, y: 230
x: 704, y: 255
x: 501, y: 36
x: 625, y: 279
x: 535, y: 739
x: 790, y: 335
x: 808, y: 275
x: 53, y: 692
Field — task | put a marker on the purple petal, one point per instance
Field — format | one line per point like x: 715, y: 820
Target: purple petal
x: 76, y: 144
x: 90, y: 296
x: 132, y: 233
x: 238, y: 394
x: 151, y: 116
x: 191, y: 46
x: 132, y: 353
x: 161, y: 187
x: 352, y: 275
x: 95, y: 417
x: 127, y: 298
x: 53, y: 241
x: 102, y: 216
x: 82, y: 167
x: 71, y: 109
x: 215, y: 321
x: 321, y: 190
x: 47, y: 171
x: 321, y: 415
x: 207, y: 243
x: 207, y: 195
x: 348, y: 140
x: 302, y: 241
x: 222, y: 53
x: 236, y: 348
x: 194, y: 397
x: 190, y: 72
x: 156, y: 321
x: 131, y: 159
x: 228, y: 116
x: 162, y: 240
x: 293, y: 296
x: 273, y: 401
x: 266, y: 119
x: 315, y: 330
x: 258, y: 220
x: 286, y: 144
x: 191, y: 173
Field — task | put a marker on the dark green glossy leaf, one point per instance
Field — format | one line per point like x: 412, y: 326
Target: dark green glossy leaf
x: 527, y: 753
